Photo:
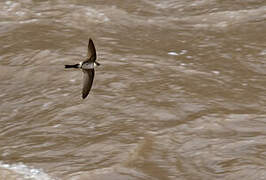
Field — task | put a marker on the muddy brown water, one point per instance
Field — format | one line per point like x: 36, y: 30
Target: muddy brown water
x: 180, y: 94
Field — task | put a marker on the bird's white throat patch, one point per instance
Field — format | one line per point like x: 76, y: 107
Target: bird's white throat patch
x: 80, y: 64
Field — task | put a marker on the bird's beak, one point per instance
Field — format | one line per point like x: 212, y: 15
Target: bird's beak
x: 97, y: 64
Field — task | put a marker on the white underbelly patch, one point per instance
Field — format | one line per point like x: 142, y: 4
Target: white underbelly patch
x: 88, y: 65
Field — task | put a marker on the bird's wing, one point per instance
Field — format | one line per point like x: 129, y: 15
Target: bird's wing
x: 91, y: 51
x: 88, y: 76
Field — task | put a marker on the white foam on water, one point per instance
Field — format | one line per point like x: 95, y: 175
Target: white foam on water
x: 57, y: 125
x: 45, y: 105
x: 216, y: 72
x: 173, y: 53
x: 26, y: 172
x: 263, y: 53
x: 28, y: 21
x: 183, y: 52
x: 8, y: 2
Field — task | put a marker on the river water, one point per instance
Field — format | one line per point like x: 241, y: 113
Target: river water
x: 180, y: 94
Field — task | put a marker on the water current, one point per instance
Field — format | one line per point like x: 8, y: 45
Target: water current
x: 180, y: 93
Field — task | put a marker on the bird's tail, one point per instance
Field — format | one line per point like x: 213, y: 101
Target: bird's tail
x: 72, y: 66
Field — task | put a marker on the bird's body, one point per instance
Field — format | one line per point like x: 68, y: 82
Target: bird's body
x: 87, y: 67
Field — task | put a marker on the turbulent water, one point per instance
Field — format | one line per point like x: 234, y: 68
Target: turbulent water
x: 180, y: 93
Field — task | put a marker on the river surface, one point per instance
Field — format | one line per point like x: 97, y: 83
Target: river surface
x: 180, y: 93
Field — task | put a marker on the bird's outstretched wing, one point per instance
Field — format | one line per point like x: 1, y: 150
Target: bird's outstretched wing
x: 91, y: 51
x: 88, y: 76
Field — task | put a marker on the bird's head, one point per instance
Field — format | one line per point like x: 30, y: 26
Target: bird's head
x: 96, y: 63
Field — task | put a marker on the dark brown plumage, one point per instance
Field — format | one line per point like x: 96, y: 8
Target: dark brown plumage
x: 87, y: 67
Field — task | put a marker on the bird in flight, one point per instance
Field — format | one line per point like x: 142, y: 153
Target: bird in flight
x: 87, y: 67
